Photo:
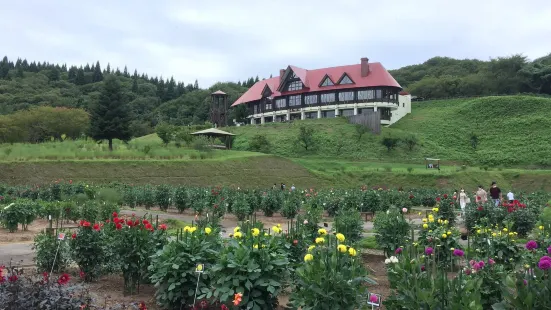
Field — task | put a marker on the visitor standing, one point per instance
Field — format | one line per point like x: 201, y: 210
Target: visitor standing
x: 274, y: 187
x: 481, y: 195
x: 293, y: 188
x: 510, y: 196
x: 463, y: 200
x: 495, y: 194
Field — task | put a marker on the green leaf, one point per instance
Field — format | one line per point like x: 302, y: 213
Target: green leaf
x: 175, y: 266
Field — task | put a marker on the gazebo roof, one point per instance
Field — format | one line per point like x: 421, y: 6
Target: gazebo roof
x: 213, y: 132
x: 436, y: 159
x: 218, y: 92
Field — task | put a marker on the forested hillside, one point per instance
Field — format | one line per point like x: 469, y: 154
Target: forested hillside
x: 442, y: 77
x: 152, y: 99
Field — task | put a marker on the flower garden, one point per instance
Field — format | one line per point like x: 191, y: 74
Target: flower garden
x: 430, y: 255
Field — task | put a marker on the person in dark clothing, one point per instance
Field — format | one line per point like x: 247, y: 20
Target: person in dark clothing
x: 495, y: 193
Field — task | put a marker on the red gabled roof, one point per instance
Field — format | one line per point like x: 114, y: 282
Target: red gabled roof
x: 378, y: 76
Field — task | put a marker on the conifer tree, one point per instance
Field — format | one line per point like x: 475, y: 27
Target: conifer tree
x: 110, y: 118
x: 98, y: 76
x: 80, y: 80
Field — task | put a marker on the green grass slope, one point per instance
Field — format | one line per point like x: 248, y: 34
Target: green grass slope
x: 512, y: 131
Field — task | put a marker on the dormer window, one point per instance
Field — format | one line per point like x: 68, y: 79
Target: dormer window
x: 294, y: 85
x: 327, y: 82
x: 345, y: 79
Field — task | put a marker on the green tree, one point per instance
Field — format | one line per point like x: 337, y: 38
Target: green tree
x: 165, y: 132
x: 306, y: 137
x: 110, y: 118
x: 135, y: 85
x: 80, y: 79
x: 98, y: 76
x: 410, y: 141
x: 361, y: 130
x: 390, y: 142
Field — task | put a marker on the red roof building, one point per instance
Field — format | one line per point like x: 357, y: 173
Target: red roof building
x: 329, y: 92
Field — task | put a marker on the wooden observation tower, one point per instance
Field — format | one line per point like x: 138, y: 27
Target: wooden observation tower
x: 219, y: 108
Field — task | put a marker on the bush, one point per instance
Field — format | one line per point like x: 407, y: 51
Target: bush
x: 254, y: 265
x: 173, y: 269
x: 259, y: 143
x: 392, y: 230
x: 109, y: 195
x: 201, y: 144
x: 291, y: 206
x: 349, y: 222
x: 181, y: 199
x: 162, y: 196
x: 332, y: 260
x: 306, y: 137
x: 41, y: 293
x: 87, y: 249
x: 241, y: 207
x: 410, y: 142
x: 165, y: 132
x: 20, y: 212
x: 523, y: 220
x: 271, y: 203
x: 390, y: 143
x: 48, y: 248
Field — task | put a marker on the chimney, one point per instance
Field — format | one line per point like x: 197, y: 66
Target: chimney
x: 281, y: 73
x: 365, y: 66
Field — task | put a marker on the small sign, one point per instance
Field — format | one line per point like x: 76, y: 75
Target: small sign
x: 374, y: 300
x: 61, y: 236
x: 200, y: 268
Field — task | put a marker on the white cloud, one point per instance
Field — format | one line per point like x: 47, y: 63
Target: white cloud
x: 231, y: 40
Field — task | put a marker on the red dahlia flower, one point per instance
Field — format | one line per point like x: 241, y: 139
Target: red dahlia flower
x: 118, y: 226
x: 96, y: 227
x: 63, y: 279
x: 445, y: 196
x: 162, y: 227
x: 74, y: 236
x: 115, y: 214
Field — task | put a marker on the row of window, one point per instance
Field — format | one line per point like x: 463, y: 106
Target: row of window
x: 386, y: 114
x: 345, y: 80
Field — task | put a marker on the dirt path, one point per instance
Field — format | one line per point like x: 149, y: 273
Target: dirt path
x: 19, y: 254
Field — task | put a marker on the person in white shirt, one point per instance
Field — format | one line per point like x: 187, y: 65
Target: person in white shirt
x: 510, y: 196
x: 463, y: 200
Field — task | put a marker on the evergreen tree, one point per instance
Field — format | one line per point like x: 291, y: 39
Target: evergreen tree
x: 25, y: 65
x: 196, y: 85
x: 135, y: 85
x: 108, y: 69
x: 64, y: 68
x: 180, y: 89
x: 270, y: 76
x: 118, y: 72
x: 135, y: 75
x: 170, y: 90
x: 80, y: 80
x: 161, y: 88
x: 87, y: 68
x: 98, y: 76
x: 109, y: 116
x: 125, y: 72
x: 53, y: 74
x: 4, y: 68
x: 256, y: 79
x: 18, y: 63
x: 33, y: 67
x: 19, y: 72
x: 72, y: 74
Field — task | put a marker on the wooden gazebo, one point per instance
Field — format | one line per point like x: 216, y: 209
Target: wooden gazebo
x: 213, y: 133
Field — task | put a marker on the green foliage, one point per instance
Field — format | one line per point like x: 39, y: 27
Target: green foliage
x: 240, y: 207
x: 390, y: 142
x: 87, y: 250
x: 40, y: 123
x: 410, y: 142
x: 306, y: 137
x: 348, y: 221
x: 392, y: 230
x: 271, y: 202
x: 162, y: 197
x: 110, y: 118
x: 253, y: 265
x: 49, y: 249
x: 442, y: 77
x: 166, y: 132
x: 344, y: 268
x: 173, y: 268
x: 291, y: 205
x: 259, y: 143
x: 181, y: 199
x: 361, y: 130
x: 22, y: 212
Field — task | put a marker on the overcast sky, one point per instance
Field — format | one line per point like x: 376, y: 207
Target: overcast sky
x: 216, y: 40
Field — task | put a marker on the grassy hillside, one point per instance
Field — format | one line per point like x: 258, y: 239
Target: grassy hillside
x: 512, y: 131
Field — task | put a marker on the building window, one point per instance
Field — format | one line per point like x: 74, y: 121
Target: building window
x: 365, y: 95
x: 346, y: 80
x: 311, y: 99
x: 347, y: 112
x: 294, y: 101
x: 346, y: 96
x: 378, y: 94
x: 326, y: 98
x: 294, y: 85
x: 311, y: 115
x: 268, y: 106
x: 255, y: 109
x: 280, y: 103
x: 385, y: 114
x: 328, y: 114
x: 327, y: 82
